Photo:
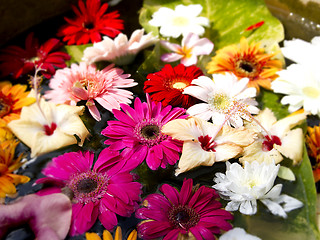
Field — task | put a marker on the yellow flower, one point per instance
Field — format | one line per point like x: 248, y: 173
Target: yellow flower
x: 8, y: 164
x: 313, y: 143
x: 12, y: 99
x: 5, y: 133
x: 107, y: 235
x: 247, y: 61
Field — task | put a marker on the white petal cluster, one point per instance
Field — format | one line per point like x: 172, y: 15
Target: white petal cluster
x: 238, y: 234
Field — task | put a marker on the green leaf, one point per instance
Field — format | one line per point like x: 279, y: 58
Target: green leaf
x: 286, y: 173
x: 75, y: 52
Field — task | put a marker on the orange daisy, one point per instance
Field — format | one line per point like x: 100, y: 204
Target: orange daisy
x: 8, y: 164
x: 12, y: 99
x: 313, y: 143
x: 250, y: 61
x: 5, y: 132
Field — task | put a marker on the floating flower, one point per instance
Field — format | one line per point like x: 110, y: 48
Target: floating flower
x: 19, y: 61
x: 99, y: 191
x: 167, y: 85
x: 12, y: 99
x: 85, y: 82
x: 238, y: 234
x: 300, y: 93
x: 205, y: 143
x: 9, y: 164
x: 245, y: 186
x: 194, y: 212
x: 107, y: 235
x: 48, y: 216
x: 313, y: 144
x: 247, y: 61
x: 183, y: 19
x: 138, y: 132
x: 191, y: 47
x: 275, y: 138
x: 45, y: 126
x: 225, y: 97
x: 121, y: 51
x: 90, y: 22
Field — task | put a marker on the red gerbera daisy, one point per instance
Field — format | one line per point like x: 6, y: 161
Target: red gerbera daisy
x: 19, y: 61
x: 167, y: 85
x: 90, y: 22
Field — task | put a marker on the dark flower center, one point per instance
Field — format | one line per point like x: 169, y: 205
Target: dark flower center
x: 150, y: 131
x: 183, y: 217
x: 207, y: 143
x: 267, y: 145
x: 88, y: 25
x: 5, y: 105
x: 87, y: 185
x: 49, y: 130
x: 246, y: 66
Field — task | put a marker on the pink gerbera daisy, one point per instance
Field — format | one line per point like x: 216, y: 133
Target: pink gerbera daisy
x: 138, y: 130
x: 192, y: 213
x: 99, y: 191
x: 85, y: 82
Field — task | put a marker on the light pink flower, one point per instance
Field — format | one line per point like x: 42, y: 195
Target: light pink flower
x: 191, y: 47
x: 85, y: 82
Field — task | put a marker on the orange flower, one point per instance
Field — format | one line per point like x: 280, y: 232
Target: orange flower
x: 5, y: 133
x: 8, y: 164
x: 12, y: 99
x: 313, y: 143
x: 107, y: 235
x: 246, y: 60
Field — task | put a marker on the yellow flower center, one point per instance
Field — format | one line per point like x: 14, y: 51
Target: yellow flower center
x: 221, y: 102
x: 180, y: 21
x: 311, y: 92
x: 179, y: 85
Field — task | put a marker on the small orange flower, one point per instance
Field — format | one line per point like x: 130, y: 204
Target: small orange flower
x: 8, y: 164
x: 12, y: 99
x: 313, y: 143
x: 248, y: 61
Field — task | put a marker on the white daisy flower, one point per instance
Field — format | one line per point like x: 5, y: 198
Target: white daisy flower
x: 238, y: 234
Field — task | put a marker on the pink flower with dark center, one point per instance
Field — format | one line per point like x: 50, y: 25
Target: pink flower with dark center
x: 194, y: 213
x: 101, y: 191
x: 138, y: 132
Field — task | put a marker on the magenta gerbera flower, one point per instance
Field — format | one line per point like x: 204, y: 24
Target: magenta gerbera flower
x: 138, y: 132
x: 193, y: 213
x: 85, y: 82
x: 99, y: 191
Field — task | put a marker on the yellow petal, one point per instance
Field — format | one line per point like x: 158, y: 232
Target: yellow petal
x: 107, y: 235
x: 133, y: 235
x: 92, y: 236
x: 118, y: 234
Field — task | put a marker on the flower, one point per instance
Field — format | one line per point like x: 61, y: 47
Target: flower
x: 205, y: 143
x: 138, y: 132
x: 300, y: 93
x: 238, y: 234
x: 225, y: 97
x: 100, y: 190
x: 191, y: 47
x: 85, y: 82
x: 244, y: 186
x: 45, y: 126
x: 12, y: 99
x: 19, y: 61
x: 313, y: 144
x: 121, y: 51
x: 194, y: 212
x: 167, y: 85
x: 107, y: 235
x: 48, y: 216
x: 90, y: 22
x: 8, y: 165
x: 275, y: 138
x: 181, y: 20
x: 5, y: 132
x: 247, y: 61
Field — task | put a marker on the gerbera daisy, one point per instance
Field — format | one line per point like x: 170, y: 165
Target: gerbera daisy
x: 138, y: 132
x: 85, y: 82
x: 9, y: 164
x: 167, y: 85
x: 12, y: 99
x: 107, y: 235
x: 19, y: 61
x: 194, y: 212
x: 225, y: 98
x: 247, y: 61
x: 90, y: 22
x: 100, y: 190
x: 313, y: 144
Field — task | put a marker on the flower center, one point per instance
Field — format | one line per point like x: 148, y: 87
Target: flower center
x: 179, y: 85
x: 49, y: 130
x: 183, y: 217
x: 267, y: 145
x: 5, y: 107
x: 150, y: 131
x: 221, y: 102
x: 246, y: 68
x: 87, y: 185
x: 311, y: 92
x: 207, y: 143
x: 88, y: 25
x: 180, y: 21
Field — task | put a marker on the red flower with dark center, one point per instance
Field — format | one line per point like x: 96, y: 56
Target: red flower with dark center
x: 18, y: 61
x: 90, y: 22
x: 167, y: 85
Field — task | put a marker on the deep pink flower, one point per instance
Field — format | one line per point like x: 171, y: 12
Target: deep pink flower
x: 101, y: 191
x: 138, y: 132
x: 19, y: 61
x: 193, y: 211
